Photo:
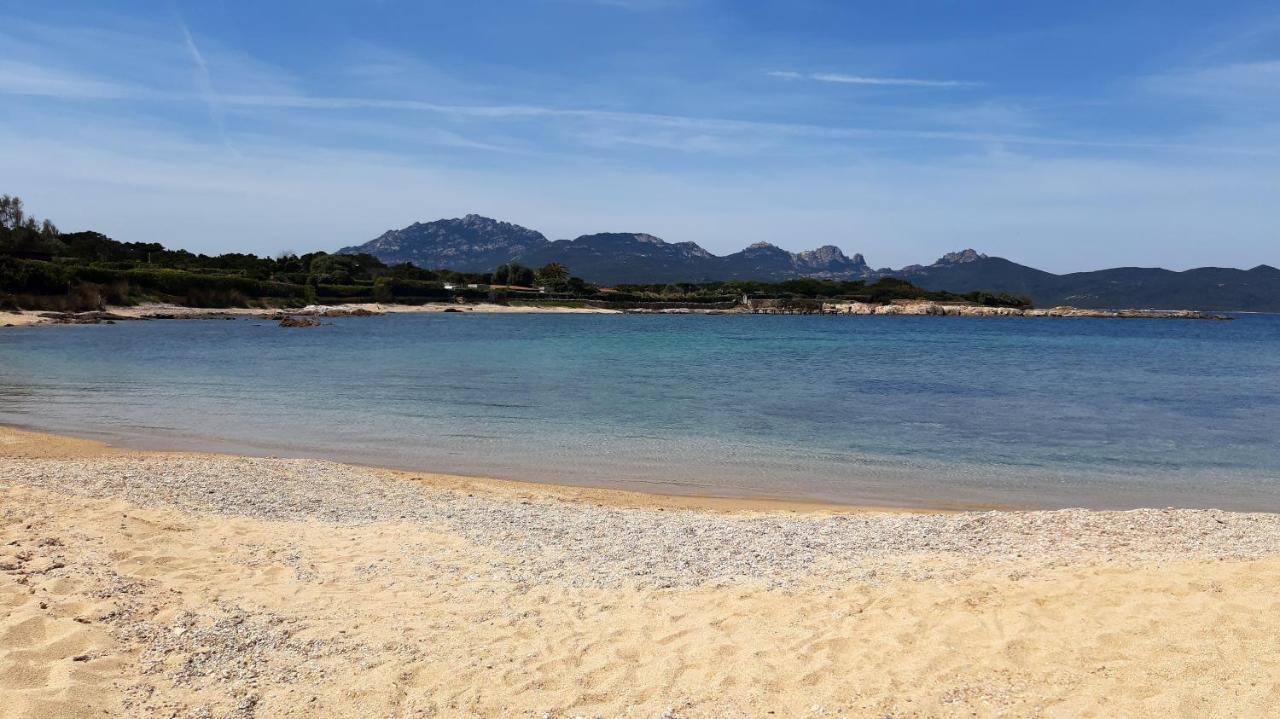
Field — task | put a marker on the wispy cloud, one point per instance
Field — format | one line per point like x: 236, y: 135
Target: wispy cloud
x: 749, y: 131
x: 721, y: 125
x: 842, y: 79
x: 1252, y: 80
x: 204, y: 85
x: 21, y: 78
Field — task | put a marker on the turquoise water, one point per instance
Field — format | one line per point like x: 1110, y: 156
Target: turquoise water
x: 879, y: 410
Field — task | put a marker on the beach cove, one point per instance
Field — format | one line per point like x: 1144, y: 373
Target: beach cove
x: 926, y: 412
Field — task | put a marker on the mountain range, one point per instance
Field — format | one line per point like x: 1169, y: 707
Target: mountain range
x: 479, y: 244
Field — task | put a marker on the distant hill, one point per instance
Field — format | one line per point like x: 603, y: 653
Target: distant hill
x: 619, y: 257
x: 1206, y: 288
x: 467, y: 244
x: 763, y: 261
x: 479, y: 244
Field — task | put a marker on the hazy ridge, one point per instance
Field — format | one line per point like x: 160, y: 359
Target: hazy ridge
x: 478, y: 244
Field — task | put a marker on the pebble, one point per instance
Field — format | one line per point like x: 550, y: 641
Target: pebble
x: 582, y: 543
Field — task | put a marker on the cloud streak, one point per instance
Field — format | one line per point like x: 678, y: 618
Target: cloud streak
x: 70, y: 87
x: 21, y: 78
x: 843, y: 79
x: 204, y: 85
x: 1255, y: 81
x: 712, y: 124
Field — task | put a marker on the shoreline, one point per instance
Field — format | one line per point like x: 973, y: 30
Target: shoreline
x: 634, y: 493
x: 14, y: 438
x: 24, y: 442
x: 150, y: 311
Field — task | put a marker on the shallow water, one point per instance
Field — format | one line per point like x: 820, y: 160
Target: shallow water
x: 869, y: 410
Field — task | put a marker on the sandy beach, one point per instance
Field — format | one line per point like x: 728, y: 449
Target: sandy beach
x: 26, y: 318
x: 188, y: 585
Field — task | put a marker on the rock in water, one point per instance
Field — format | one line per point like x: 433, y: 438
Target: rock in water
x: 299, y: 322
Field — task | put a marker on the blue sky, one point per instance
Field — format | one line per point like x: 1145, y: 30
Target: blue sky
x: 1069, y: 136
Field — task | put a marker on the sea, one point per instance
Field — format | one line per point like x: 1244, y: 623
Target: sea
x: 930, y: 412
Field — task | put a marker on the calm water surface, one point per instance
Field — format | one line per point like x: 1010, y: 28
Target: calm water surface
x: 888, y: 410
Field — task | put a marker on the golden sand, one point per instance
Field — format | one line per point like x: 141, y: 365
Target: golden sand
x: 111, y: 608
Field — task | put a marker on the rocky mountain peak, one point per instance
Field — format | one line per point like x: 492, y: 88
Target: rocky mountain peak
x: 476, y: 243
x: 693, y: 249
x: 473, y: 243
x: 764, y: 247
x: 830, y: 261
x: 960, y: 258
x: 824, y: 254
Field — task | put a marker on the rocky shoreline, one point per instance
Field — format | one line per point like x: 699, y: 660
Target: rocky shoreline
x: 918, y: 308
x: 291, y: 317
x: 939, y: 309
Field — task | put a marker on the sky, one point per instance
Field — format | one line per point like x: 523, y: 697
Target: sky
x: 1068, y: 136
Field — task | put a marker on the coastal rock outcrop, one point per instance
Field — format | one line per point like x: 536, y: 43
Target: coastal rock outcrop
x: 299, y: 322
x: 84, y: 318
x: 939, y: 309
x: 338, y: 311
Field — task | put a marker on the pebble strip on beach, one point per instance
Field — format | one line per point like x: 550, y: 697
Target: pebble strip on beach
x: 544, y: 538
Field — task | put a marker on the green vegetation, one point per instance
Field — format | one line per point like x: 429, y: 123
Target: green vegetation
x: 42, y: 268
x: 513, y: 274
x: 806, y: 291
x: 21, y: 234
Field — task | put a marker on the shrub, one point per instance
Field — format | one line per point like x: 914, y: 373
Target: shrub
x: 33, y: 277
x: 215, y: 297
x: 84, y: 297
x: 345, y: 292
